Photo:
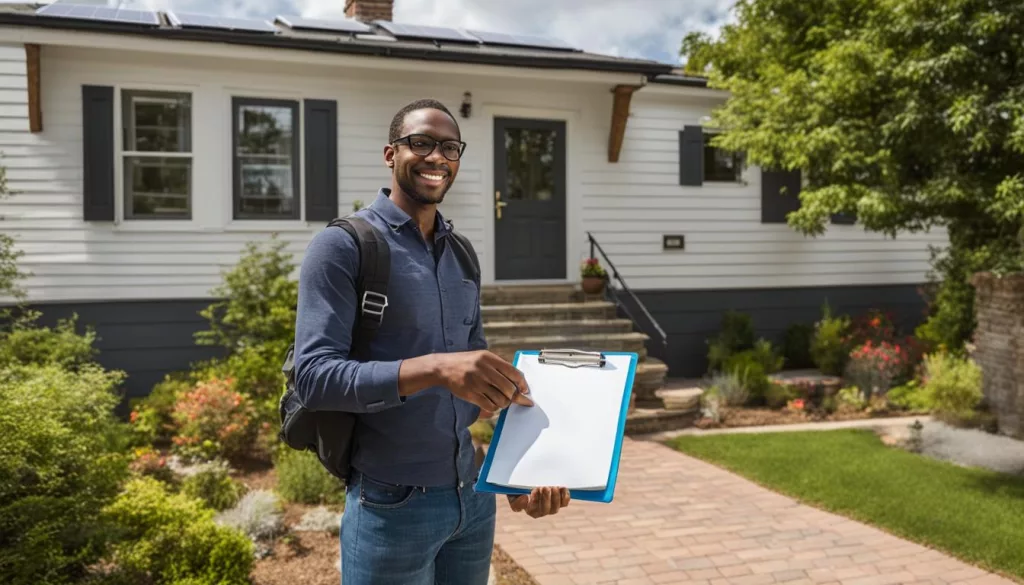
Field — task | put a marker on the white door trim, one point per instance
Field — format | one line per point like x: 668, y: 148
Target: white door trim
x: 573, y: 190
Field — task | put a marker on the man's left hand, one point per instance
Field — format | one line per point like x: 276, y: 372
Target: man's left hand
x: 542, y: 501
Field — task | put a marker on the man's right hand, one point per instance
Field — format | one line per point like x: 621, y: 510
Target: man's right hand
x: 484, y: 379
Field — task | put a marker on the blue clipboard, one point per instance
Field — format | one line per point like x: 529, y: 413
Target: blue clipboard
x: 602, y: 496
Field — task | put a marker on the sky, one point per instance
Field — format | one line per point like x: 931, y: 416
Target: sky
x: 651, y: 29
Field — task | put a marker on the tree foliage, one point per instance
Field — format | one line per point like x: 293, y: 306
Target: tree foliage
x: 907, y: 113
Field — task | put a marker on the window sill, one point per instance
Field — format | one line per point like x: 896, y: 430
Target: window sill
x: 270, y: 225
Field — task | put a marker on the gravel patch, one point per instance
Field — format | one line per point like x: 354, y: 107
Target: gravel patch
x: 967, y: 447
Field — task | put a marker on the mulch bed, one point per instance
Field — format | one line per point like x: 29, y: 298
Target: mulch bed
x: 755, y: 417
x: 311, y: 558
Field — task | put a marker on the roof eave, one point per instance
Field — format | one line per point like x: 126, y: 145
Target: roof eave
x: 649, y: 69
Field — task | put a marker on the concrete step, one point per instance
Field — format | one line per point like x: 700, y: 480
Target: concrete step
x: 529, y: 294
x: 506, y: 347
x: 650, y: 378
x: 556, y: 327
x: 549, y: 311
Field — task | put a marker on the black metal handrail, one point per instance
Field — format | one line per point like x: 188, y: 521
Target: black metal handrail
x: 594, y: 245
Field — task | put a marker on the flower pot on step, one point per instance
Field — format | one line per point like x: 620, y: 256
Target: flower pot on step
x: 593, y: 285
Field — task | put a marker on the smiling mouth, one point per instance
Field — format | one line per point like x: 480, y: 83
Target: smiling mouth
x: 433, y: 176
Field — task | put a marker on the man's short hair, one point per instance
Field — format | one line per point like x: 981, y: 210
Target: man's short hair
x: 399, y: 119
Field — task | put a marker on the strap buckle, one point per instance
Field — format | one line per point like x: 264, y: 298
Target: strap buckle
x: 374, y: 303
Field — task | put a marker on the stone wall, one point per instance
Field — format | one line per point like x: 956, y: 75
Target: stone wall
x: 999, y: 340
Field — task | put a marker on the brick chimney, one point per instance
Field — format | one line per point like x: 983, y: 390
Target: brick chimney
x: 368, y: 10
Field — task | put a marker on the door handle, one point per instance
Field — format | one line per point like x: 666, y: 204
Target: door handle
x: 498, y: 203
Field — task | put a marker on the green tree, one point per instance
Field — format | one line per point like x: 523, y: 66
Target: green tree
x: 907, y: 113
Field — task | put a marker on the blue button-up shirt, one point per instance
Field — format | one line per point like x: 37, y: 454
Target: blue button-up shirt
x: 433, y: 307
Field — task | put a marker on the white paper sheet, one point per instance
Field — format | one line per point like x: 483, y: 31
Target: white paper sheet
x: 568, y: 437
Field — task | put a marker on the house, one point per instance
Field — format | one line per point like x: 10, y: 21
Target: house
x: 146, y: 148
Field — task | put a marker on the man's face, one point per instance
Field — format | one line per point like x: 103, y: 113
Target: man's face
x: 425, y: 179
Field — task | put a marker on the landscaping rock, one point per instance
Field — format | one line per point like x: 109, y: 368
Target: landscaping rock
x: 684, y: 399
x: 966, y: 447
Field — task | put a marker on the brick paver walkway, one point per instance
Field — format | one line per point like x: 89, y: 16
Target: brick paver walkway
x: 676, y: 519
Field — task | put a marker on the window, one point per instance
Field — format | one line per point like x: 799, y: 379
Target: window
x: 720, y: 165
x: 265, y: 147
x: 157, y: 154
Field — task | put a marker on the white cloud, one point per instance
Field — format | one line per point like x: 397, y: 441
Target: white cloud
x: 635, y: 28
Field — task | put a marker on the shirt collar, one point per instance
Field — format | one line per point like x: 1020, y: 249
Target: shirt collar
x: 384, y: 207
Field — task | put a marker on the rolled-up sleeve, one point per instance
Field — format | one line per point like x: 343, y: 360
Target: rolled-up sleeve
x: 325, y: 377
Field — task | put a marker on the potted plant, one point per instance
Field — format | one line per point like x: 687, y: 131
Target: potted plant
x: 594, y: 276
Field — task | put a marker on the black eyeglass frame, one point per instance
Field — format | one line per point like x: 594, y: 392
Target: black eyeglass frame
x: 408, y: 141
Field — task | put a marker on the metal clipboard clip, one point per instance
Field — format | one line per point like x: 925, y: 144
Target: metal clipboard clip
x: 572, y: 358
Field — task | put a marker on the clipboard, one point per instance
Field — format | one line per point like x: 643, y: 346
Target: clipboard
x: 572, y: 359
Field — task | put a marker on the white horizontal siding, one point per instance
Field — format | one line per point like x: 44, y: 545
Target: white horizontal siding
x: 628, y: 205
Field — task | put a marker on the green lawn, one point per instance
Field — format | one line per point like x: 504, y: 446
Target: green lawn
x: 972, y: 514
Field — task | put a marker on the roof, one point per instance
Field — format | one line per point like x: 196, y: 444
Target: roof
x: 379, y: 42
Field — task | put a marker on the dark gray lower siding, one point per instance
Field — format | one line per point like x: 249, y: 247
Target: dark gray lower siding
x: 145, y: 339
x: 148, y: 339
x: 690, y: 318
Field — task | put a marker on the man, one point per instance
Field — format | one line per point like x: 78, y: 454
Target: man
x: 412, y: 516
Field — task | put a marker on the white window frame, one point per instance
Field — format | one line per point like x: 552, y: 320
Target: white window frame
x: 120, y: 154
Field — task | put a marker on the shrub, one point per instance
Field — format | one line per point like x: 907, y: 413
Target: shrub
x: 320, y: 519
x: 829, y: 343
x: 257, y: 515
x: 729, y: 386
x: 30, y: 344
x: 482, y: 431
x: 151, y: 417
x: 951, y: 384
x: 876, y: 368
x: 149, y: 462
x: 778, y: 394
x: 909, y: 396
x: 259, y: 300
x: 214, y: 485
x: 302, y: 478
x: 737, y: 334
x: 796, y: 346
x: 165, y: 538
x: 752, y: 367
x: 852, y: 399
x: 213, y: 421
x: 62, y: 459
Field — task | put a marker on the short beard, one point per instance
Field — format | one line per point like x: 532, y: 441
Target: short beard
x: 409, y: 188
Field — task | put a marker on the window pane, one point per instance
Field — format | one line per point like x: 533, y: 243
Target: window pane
x: 157, y: 121
x: 157, y: 187
x: 266, y: 161
x: 720, y: 165
x: 530, y: 159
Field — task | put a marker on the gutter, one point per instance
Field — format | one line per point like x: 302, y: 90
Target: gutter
x: 426, y: 53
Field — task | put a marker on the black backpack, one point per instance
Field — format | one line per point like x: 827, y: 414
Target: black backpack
x: 328, y: 434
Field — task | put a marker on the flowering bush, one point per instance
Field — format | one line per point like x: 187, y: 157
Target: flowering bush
x: 591, y: 267
x: 796, y: 405
x: 214, y: 420
x: 875, y: 368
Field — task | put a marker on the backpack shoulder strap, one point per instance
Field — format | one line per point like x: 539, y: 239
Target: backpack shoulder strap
x: 372, y: 280
x: 466, y: 253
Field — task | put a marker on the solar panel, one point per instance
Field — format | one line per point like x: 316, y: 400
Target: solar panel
x: 434, y: 33
x: 536, y: 41
x: 338, y: 25
x: 103, y: 13
x: 188, y: 20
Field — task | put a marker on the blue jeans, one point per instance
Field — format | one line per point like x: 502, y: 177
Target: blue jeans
x: 405, y: 535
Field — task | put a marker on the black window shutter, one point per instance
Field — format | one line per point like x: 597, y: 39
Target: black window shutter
x: 780, y: 194
x: 321, y: 132
x: 691, y: 156
x: 97, y: 153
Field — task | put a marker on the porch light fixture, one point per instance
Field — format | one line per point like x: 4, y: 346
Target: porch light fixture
x: 467, y: 105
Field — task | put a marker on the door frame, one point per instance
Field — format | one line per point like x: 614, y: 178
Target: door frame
x: 573, y: 197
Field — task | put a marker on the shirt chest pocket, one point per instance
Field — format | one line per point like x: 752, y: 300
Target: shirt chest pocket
x: 464, y: 305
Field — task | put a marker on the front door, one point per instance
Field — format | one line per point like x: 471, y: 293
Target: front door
x: 529, y: 199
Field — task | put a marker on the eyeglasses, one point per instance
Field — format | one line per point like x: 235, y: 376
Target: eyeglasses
x: 423, y: 145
